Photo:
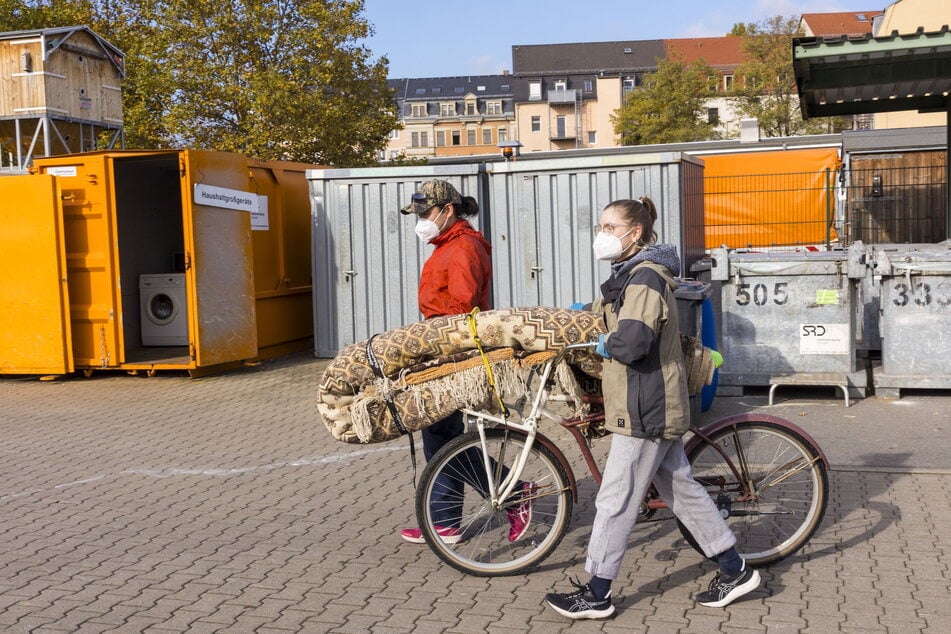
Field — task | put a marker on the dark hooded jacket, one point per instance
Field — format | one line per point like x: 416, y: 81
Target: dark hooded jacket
x: 644, y: 384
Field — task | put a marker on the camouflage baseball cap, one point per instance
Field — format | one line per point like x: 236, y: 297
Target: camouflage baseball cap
x: 430, y: 194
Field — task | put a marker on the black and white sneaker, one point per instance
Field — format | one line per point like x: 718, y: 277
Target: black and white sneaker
x: 580, y: 604
x: 725, y: 590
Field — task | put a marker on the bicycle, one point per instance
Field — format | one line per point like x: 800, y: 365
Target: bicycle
x: 768, y: 478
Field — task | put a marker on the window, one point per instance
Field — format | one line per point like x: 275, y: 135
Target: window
x: 414, y: 142
x: 588, y: 85
x: 424, y: 139
x: 440, y: 138
x: 713, y: 116
x: 458, y: 90
x: 480, y: 88
x: 561, y: 84
x: 561, y: 127
x: 592, y: 137
x: 487, y: 136
x: 447, y: 109
x: 419, y: 109
x: 420, y: 91
x: 437, y: 90
x: 493, y: 107
x: 536, y: 124
x: 505, y: 87
x: 456, y: 138
x: 534, y: 90
x: 727, y: 83
x: 503, y: 135
x: 470, y: 137
x: 470, y: 108
x: 395, y: 134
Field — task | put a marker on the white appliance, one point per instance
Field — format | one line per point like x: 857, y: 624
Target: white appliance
x: 164, y: 309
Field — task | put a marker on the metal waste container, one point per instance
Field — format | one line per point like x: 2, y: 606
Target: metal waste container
x: 915, y: 287
x: 787, y: 317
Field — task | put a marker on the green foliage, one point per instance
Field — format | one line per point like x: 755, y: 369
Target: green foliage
x: 669, y: 107
x: 274, y: 79
x: 768, y: 90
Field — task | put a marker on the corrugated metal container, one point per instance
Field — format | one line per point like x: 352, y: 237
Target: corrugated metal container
x: 787, y: 314
x: 916, y: 313
x: 366, y: 256
x: 543, y: 212
x: 538, y: 215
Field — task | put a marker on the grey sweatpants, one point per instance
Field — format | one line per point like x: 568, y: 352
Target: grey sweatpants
x: 633, y: 463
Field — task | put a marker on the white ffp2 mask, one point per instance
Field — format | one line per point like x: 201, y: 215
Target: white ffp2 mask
x: 608, y: 247
x: 427, y: 230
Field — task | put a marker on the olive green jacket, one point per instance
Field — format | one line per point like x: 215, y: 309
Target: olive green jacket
x: 644, y: 383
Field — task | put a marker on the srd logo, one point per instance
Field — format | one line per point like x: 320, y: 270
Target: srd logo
x: 813, y: 331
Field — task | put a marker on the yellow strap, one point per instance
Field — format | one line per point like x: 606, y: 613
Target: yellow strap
x: 470, y: 318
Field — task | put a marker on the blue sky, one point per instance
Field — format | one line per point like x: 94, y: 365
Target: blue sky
x: 441, y: 38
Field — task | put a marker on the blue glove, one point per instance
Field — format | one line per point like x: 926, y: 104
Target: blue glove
x: 577, y: 306
x: 601, y: 349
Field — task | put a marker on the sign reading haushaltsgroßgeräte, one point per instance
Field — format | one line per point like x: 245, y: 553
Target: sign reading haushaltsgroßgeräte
x: 225, y: 198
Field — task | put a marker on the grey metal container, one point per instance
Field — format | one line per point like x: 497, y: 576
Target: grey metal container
x: 538, y: 215
x: 787, y: 314
x: 915, y: 286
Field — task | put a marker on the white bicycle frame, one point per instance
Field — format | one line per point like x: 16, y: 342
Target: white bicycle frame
x: 528, y: 425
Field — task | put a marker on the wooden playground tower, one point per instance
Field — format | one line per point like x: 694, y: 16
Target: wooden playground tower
x: 60, y: 93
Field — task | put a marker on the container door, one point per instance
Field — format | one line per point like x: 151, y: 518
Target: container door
x: 34, y: 323
x: 217, y: 217
x: 89, y: 221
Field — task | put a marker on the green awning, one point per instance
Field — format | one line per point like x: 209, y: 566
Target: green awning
x: 843, y: 75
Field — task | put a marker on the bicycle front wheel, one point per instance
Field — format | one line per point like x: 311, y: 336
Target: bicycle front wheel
x: 492, y: 540
x: 768, y: 482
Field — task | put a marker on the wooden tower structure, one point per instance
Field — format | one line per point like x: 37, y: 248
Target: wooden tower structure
x: 60, y: 93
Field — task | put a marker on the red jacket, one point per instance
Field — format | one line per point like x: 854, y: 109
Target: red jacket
x: 455, y: 278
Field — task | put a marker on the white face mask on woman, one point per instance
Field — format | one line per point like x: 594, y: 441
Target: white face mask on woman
x: 608, y: 247
x: 427, y: 230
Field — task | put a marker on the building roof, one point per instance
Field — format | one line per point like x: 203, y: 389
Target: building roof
x: 847, y: 23
x: 58, y: 38
x: 448, y: 88
x: 857, y: 75
x: 586, y: 57
x: 716, y: 51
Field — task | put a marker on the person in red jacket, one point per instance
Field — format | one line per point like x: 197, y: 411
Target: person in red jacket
x: 455, y: 279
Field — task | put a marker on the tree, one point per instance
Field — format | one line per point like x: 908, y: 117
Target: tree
x: 768, y: 90
x: 669, y: 107
x: 274, y: 79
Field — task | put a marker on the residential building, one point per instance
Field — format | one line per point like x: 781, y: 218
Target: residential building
x: 851, y: 23
x: 452, y: 116
x: 565, y: 94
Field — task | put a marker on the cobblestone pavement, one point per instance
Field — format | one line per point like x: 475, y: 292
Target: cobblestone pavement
x: 170, y: 504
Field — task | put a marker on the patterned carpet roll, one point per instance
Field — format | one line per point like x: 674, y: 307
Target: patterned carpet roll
x: 432, y: 368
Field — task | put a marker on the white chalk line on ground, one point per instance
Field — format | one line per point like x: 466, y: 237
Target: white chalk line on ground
x: 169, y: 472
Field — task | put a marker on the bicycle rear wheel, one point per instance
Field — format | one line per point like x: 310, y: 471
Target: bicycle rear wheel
x: 788, y: 487
x: 485, y: 549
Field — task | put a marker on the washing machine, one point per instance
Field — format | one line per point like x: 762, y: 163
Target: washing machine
x: 164, y: 313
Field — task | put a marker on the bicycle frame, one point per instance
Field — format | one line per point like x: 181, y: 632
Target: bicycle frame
x: 529, y: 427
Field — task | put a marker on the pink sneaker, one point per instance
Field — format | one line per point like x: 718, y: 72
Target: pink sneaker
x: 520, y: 515
x: 447, y: 534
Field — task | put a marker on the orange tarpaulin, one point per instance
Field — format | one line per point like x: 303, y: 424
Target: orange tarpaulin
x: 769, y: 198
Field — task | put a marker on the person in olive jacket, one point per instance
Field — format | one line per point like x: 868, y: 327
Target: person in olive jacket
x: 646, y: 407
